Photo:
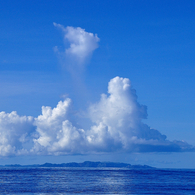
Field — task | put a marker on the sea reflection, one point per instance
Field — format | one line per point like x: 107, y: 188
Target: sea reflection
x: 117, y: 182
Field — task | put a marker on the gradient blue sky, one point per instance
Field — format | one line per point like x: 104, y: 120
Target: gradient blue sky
x: 150, y: 42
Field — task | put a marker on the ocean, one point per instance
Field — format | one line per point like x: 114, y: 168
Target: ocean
x: 29, y: 181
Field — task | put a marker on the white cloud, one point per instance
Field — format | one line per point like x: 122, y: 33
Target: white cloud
x: 57, y: 135
x: 82, y: 45
x: 118, y: 118
x: 117, y: 126
x: 16, y: 133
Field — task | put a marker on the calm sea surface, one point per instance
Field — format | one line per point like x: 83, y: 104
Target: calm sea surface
x: 43, y: 181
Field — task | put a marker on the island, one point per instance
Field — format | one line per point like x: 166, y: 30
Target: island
x: 86, y: 164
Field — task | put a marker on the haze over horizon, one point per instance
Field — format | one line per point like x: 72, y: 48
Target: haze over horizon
x: 77, y: 87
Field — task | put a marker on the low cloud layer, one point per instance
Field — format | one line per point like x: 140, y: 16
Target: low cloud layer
x: 117, y: 126
x: 15, y: 132
x: 81, y: 46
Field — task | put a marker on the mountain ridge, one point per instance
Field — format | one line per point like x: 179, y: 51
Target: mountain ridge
x: 89, y: 164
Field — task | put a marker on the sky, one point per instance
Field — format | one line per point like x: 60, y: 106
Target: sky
x: 97, y: 80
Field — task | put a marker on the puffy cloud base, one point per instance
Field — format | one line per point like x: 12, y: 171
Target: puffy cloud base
x: 117, y: 126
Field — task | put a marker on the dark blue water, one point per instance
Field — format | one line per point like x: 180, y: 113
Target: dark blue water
x: 43, y: 181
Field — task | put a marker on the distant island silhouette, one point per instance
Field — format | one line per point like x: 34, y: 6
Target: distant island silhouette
x: 85, y: 164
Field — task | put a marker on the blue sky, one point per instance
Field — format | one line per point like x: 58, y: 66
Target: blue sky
x: 151, y: 43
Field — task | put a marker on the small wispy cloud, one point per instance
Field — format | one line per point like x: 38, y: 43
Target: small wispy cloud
x: 81, y: 46
x: 117, y: 126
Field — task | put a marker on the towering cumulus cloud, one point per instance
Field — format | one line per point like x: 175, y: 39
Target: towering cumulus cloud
x: 117, y: 126
x: 118, y: 118
x: 82, y: 45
